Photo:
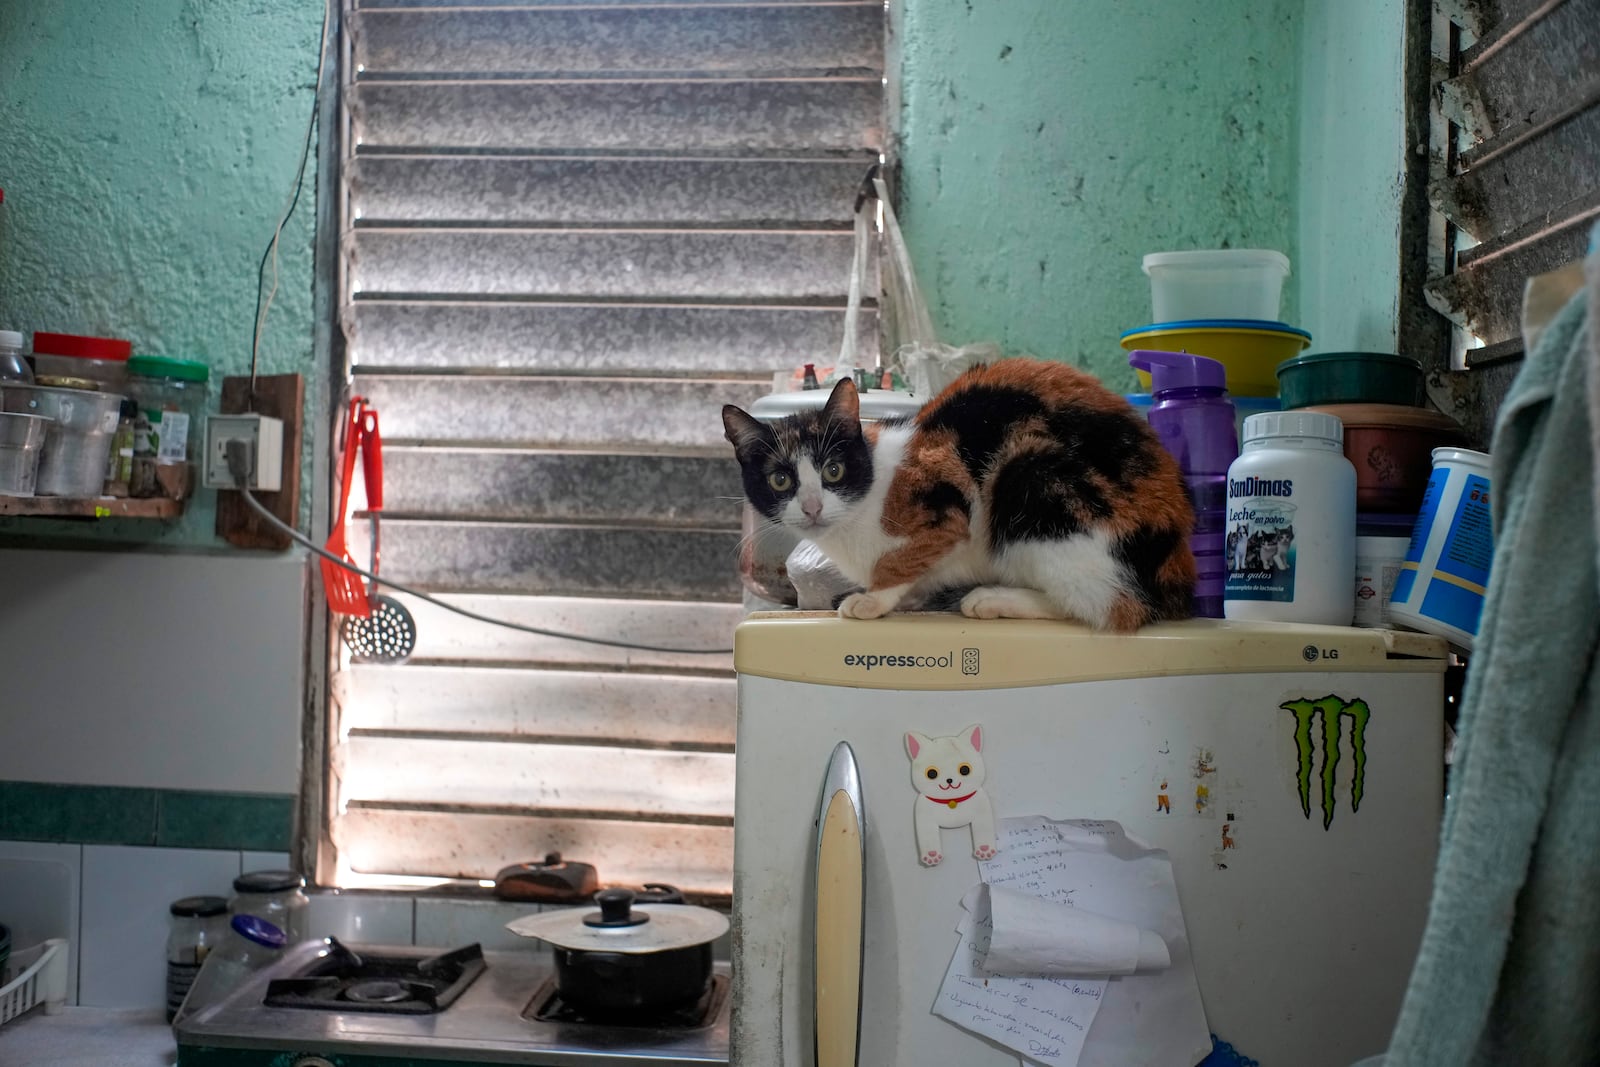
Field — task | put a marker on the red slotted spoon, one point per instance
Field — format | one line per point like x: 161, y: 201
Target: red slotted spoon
x: 345, y: 591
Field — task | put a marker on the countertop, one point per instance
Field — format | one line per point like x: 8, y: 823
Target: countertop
x: 88, y: 1037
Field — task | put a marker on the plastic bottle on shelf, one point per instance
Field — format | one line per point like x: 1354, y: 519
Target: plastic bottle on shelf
x: 13, y: 364
x: 1291, y: 521
x: 249, y: 944
x: 1192, y: 415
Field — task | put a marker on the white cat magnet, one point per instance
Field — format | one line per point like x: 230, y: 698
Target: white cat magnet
x: 948, y: 774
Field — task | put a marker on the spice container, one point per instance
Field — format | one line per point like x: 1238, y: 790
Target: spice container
x: 103, y: 359
x: 277, y: 896
x: 198, y: 924
x: 171, y: 394
x: 119, y: 467
x: 1291, y: 524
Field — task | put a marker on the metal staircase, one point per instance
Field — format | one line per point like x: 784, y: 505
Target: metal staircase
x: 571, y: 233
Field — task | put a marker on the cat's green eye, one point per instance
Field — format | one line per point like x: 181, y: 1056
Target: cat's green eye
x: 780, y: 481
x: 833, y: 471
x: 933, y: 772
x: 964, y: 769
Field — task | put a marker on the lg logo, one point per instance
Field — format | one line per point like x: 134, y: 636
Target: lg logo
x: 1312, y: 653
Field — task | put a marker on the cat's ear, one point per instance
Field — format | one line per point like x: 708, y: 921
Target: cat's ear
x: 914, y: 743
x: 974, y: 735
x: 844, y: 405
x: 742, y: 429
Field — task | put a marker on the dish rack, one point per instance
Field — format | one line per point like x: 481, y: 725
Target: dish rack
x: 34, y: 976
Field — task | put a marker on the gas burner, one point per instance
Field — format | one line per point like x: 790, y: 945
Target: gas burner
x: 342, y: 980
x: 548, y: 1007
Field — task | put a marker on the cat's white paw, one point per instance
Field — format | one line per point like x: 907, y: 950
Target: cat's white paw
x: 862, y: 606
x: 1002, y: 602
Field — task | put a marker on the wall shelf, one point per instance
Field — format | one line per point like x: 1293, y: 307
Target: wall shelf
x: 91, y: 507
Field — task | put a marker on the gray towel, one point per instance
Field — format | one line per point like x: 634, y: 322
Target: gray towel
x: 1509, y: 969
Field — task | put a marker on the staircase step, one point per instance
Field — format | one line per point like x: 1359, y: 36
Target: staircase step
x: 545, y: 190
x: 548, y: 558
x: 476, y: 483
x: 653, y: 265
x: 628, y: 707
x: 494, y: 40
x: 445, y: 636
x: 572, y: 412
x: 681, y: 116
x: 606, y: 338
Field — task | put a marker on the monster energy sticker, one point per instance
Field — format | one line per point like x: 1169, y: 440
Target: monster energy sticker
x: 1330, y: 712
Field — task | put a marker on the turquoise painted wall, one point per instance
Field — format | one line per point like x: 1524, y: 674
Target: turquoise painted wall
x: 1046, y: 145
x: 147, y: 148
x: 1352, y: 172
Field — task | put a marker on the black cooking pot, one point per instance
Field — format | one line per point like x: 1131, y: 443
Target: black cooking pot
x: 603, y: 982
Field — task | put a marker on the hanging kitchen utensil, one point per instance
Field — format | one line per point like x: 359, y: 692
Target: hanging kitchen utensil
x: 625, y: 959
x: 386, y: 632
x: 838, y: 897
x: 346, y: 595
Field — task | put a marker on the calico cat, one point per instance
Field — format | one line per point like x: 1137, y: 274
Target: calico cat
x: 1028, y: 480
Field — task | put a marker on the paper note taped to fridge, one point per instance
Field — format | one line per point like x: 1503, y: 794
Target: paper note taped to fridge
x: 1148, y: 1015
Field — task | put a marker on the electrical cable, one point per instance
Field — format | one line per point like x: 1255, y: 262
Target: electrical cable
x: 263, y: 307
x: 290, y: 531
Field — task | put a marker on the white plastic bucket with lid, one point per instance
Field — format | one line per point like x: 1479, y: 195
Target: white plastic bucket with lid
x: 1222, y: 283
x: 1446, y: 570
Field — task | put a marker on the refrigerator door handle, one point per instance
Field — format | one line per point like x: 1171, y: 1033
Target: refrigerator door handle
x: 838, y: 897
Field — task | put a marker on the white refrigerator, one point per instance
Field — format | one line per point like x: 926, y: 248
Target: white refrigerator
x: 1293, y: 775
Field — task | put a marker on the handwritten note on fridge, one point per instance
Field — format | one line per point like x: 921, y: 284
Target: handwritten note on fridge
x: 1133, y: 1020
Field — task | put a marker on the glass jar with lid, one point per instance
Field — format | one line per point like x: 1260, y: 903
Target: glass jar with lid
x: 248, y: 944
x: 70, y: 355
x: 171, y: 394
x: 277, y: 896
x: 198, y: 924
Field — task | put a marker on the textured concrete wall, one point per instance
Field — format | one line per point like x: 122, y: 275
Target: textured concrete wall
x: 147, y: 148
x: 1352, y: 172
x: 1048, y: 144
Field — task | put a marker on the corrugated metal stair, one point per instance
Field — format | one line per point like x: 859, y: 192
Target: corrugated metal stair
x: 573, y: 232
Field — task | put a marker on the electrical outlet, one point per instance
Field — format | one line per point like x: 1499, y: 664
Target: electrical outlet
x: 262, y: 437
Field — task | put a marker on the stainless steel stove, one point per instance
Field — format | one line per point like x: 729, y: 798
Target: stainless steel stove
x: 331, y: 1005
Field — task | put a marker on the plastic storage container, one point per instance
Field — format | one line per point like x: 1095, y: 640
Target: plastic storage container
x: 77, y: 441
x: 1350, y: 378
x: 21, y: 445
x: 1193, y: 417
x: 1223, y: 283
x: 198, y: 925
x: 171, y: 394
x: 1291, y: 523
x: 1381, y: 543
x: 1250, y: 350
x: 277, y: 896
x: 249, y: 943
x: 1446, y: 570
x: 103, y: 359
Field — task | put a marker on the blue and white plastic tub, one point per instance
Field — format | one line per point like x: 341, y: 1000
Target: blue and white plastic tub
x: 1441, y: 584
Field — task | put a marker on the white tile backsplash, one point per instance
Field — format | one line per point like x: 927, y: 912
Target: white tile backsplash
x: 443, y: 922
x: 361, y: 918
x: 39, y: 897
x: 125, y: 918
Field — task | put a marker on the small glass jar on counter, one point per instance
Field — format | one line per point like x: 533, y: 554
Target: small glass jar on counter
x: 70, y: 355
x: 277, y: 896
x: 198, y: 925
x: 171, y: 394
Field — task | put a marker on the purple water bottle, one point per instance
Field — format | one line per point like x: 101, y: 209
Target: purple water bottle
x: 1193, y: 416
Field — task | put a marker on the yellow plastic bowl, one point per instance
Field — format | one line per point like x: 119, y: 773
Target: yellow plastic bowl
x: 1249, y: 351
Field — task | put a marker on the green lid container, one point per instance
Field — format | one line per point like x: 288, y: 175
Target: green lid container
x: 1350, y: 378
x: 185, y: 370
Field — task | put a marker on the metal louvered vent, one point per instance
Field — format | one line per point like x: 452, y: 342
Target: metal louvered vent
x: 1516, y: 156
x: 570, y: 234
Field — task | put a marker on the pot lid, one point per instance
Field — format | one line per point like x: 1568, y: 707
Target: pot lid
x: 623, y: 926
